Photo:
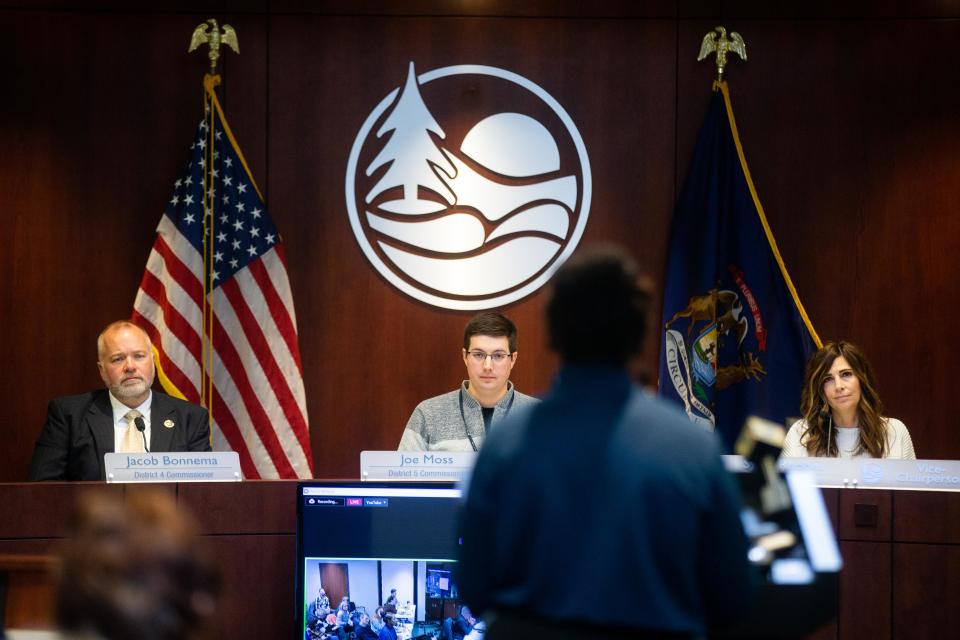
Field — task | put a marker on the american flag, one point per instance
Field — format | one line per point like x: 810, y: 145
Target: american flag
x: 251, y: 380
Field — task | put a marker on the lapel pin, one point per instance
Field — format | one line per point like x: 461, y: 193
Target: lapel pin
x: 168, y: 424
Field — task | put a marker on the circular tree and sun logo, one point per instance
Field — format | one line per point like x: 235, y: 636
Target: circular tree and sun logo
x: 467, y: 186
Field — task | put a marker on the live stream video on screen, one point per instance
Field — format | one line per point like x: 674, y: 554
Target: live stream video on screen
x: 372, y: 554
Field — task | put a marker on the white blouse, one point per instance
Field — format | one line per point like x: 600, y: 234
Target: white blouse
x: 899, y: 444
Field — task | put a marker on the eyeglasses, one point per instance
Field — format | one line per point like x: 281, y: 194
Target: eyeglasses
x: 497, y: 357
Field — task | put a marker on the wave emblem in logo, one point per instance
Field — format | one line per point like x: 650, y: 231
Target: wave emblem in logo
x: 467, y: 186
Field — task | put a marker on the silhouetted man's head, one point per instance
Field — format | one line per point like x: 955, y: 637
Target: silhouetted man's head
x: 597, y: 311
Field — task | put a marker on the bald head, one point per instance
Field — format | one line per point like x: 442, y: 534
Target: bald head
x: 116, y: 326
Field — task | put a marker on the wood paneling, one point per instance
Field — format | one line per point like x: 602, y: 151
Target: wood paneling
x: 258, y: 584
x: 864, y: 608
x: 47, y: 503
x: 926, y: 516
x: 249, y: 528
x: 899, y: 589
x: 274, y: 503
x: 335, y: 578
x: 851, y: 138
x: 27, y: 586
x: 831, y: 499
x: 926, y: 590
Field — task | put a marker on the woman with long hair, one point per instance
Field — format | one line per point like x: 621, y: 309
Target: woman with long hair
x: 842, y: 413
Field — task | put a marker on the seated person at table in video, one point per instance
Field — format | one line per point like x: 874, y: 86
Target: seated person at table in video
x: 318, y: 609
x: 364, y: 630
x: 460, y: 627
x: 842, y: 411
x: 126, y: 417
x: 602, y: 511
x: 459, y: 420
x: 388, y: 631
x: 343, y: 615
x: 376, y: 620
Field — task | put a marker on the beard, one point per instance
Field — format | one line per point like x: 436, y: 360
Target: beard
x: 130, y: 390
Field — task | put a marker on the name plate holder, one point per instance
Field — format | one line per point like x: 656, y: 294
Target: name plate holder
x: 870, y: 473
x: 439, y: 466
x: 201, y: 466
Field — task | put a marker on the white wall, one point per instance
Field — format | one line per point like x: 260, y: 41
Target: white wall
x: 397, y: 574
x: 363, y: 584
x: 421, y: 589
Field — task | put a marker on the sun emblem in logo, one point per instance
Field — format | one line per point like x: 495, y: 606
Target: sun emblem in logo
x: 463, y: 204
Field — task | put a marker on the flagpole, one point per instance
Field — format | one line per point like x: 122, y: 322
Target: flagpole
x: 717, y: 42
x: 209, y: 82
x: 721, y: 85
x: 209, y: 33
x: 257, y: 360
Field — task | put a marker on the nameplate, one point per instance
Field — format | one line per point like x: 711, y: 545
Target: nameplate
x: 871, y: 473
x: 206, y: 466
x: 443, y: 466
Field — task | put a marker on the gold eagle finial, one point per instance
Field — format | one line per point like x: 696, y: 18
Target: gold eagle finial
x: 721, y: 44
x: 214, y: 37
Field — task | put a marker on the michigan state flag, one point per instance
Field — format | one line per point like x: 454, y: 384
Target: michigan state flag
x: 736, y: 338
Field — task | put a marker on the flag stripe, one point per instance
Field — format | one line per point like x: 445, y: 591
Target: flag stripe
x: 177, y: 256
x: 184, y: 301
x: 279, y: 365
x: 227, y: 426
x: 249, y: 398
x: 186, y: 360
x: 281, y: 409
x: 276, y: 263
x: 172, y: 318
x: 277, y: 308
x: 145, y: 315
x: 233, y: 419
x: 278, y: 327
x: 184, y: 249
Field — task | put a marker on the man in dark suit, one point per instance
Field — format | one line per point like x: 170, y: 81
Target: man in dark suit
x: 123, y: 417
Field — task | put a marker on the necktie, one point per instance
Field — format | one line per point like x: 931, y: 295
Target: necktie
x: 132, y: 440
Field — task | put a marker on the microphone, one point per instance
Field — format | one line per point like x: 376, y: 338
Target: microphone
x: 142, y: 428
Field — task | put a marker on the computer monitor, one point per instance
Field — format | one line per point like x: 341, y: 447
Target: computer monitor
x: 360, y: 540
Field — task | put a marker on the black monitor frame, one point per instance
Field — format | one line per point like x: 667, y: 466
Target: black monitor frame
x: 417, y: 535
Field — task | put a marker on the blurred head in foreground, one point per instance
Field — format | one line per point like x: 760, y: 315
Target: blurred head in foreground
x: 135, y: 568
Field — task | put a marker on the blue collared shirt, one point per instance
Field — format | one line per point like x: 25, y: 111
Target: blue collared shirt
x: 604, y: 505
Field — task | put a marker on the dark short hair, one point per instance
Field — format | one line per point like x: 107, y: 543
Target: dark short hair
x: 598, y: 308
x: 491, y: 323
